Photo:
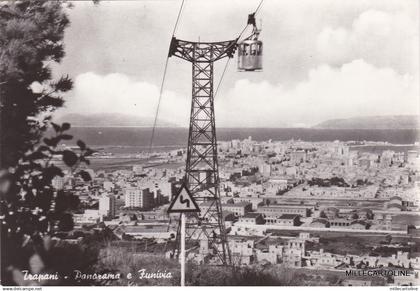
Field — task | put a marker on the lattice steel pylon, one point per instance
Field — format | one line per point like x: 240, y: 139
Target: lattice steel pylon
x: 202, y: 169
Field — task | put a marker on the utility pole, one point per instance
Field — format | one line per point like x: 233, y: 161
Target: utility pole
x: 202, y: 169
x: 182, y: 258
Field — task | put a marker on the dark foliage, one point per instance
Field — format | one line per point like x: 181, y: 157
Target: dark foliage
x: 31, y: 210
x: 205, y: 275
x: 31, y: 34
x: 334, y: 181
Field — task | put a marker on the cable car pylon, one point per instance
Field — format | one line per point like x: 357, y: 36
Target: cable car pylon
x: 202, y: 168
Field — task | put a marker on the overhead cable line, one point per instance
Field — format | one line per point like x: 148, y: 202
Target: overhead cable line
x: 255, y: 12
x: 163, y: 80
x: 166, y: 67
x: 228, y: 60
x: 221, y: 78
x: 259, y: 6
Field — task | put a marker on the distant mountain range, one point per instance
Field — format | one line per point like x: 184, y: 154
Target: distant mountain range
x: 127, y: 120
x: 372, y: 122
x: 111, y: 120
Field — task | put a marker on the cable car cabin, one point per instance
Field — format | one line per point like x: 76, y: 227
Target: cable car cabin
x: 250, y: 55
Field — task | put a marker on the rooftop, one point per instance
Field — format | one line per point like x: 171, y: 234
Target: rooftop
x: 252, y: 215
x: 320, y: 220
x: 395, y: 198
x: 239, y: 204
x: 283, y: 206
x: 288, y: 216
x: 394, y: 205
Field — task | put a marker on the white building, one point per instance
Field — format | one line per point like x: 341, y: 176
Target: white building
x: 90, y: 216
x: 264, y: 169
x: 107, y: 205
x: 58, y: 183
x: 138, y: 169
x: 137, y: 197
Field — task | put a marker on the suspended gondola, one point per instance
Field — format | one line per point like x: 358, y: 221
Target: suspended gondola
x: 250, y: 50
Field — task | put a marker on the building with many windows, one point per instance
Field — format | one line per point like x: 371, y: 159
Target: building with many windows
x: 275, y: 211
x: 139, y: 198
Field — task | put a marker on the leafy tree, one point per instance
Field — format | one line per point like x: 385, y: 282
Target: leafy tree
x: 31, y: 34
x: 31, y: 210
x: 205, y: 275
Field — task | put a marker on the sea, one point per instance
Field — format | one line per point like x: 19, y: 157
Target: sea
x: 137, y: 139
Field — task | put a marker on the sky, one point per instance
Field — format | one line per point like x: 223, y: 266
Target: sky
x: 323, y: 59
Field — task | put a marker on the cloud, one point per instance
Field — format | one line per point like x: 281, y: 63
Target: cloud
x: 385, y: 39
x: 354, y: 89
x: 118, y: 93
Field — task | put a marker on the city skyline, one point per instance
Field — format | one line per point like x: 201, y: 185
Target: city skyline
x: 333, y: 210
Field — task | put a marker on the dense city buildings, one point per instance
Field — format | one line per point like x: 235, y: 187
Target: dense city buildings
x: 332, y: 206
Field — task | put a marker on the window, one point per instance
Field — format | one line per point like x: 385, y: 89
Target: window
x: 246, y: 49
x: 253, y: 49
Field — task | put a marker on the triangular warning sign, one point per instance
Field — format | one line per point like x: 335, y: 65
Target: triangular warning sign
x: 183, y: 202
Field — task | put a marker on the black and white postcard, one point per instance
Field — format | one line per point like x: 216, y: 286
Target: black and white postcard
x: 209, y: 143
